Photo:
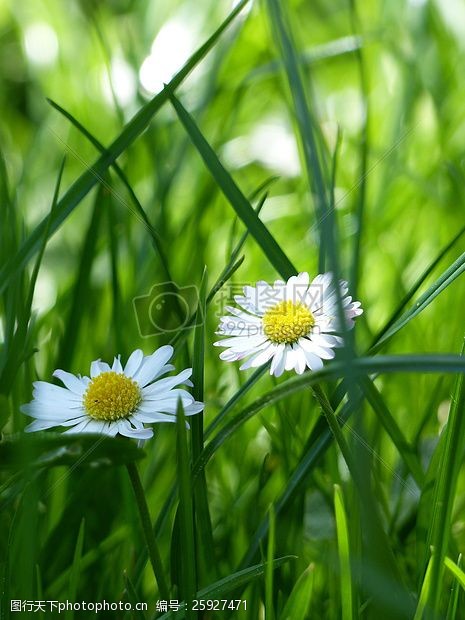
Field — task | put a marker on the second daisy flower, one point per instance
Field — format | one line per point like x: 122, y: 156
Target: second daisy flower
x: 293, y: 324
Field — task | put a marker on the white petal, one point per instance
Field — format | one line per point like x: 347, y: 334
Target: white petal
x: 154, y: 417
x: 47, y: 391
x: 193, y: 408
x: 97, y: 367
x: 313, y: 361
x: 73, y: 383
x: 296, y: 287
x: 133, y: 363
x: 278, y: 361
x: 300, y: 360
x: 117, y: 365
x: 242, y: 343
x: 51, y: 411
x: 125, y: 428
x: 152, y: 365
x: 260, y: 358
x: 327, y: 341
x: 40, y: 425
x: 291, y: 358
x: 241, y: 315
x: 162, y: 386
x: 312, y: 347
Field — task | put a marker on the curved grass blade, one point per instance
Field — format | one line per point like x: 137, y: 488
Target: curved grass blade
x: 426, y: 273
x: 138, y: 208
x: 406, y: 451
x: 94, y: 174
x: 424, y: 593
x: 446, y: 278
x: 269, y: 572
x: 359, y: 368
x: 298, y: 603
x: 455, y: 570
x: 236, y: 198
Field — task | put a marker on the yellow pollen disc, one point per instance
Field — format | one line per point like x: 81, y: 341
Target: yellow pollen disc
x: 111, y: 396
x: 287, y: 322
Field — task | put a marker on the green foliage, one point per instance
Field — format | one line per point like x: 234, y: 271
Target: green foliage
x: 292, y: 136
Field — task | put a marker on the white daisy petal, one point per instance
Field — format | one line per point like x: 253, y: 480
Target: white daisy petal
x: 312, y: 347
x: 300, y: 360
x: 73, y: 383
x: 97, y: 367
x: 154, y: 417
x: 260, y: 358
x: 133, y: 363
x: 242, y: 343
x: 163, y: 385
x: 278, y: 360
x: 153, y: 364
x: 117, y: 365
x: 290, y: 358
x: 125, y: 428
x: 48, y: 391
x: 40, y: 425
x: 313, y: 361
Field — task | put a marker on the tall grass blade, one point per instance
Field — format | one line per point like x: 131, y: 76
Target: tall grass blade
x: 238, y: 201
x: 95, y: 173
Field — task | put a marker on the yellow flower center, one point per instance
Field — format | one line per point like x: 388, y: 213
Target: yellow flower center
x: 287, y: 322
x: 111, y: 396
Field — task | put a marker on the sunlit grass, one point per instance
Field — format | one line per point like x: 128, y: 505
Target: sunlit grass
x: 334, y: 494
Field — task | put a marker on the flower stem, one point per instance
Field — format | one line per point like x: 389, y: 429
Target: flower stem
x: 152, y: 546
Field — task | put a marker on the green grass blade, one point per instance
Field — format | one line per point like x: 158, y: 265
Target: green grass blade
x: 205, y: 554
x: 298, y: 604
x: 238, y: 201
x: 134, y: 598
x: 364, y: 156
x: 406, y: 451
x: 445, y: 488
x: 342, y: 529
x: 186, y: 516
x: 419, y: 282
x: 18, y: 352
x: 269, y: 605
x: 88, y: 179
x: 137, y: 209
x: 424, y: 593
x: 449, y: 275
x: 360, y: 367
x: 232, y: 583
x: 454, y: 595
x: 81, y: 289
x: 76, y: 570
x: 456, y: 571
x: 305, y: 121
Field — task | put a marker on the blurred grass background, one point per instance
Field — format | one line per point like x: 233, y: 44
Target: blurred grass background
x: 387, y: 77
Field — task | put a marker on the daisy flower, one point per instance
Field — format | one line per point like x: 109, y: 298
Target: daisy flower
x: 294, y: 324
x: 113, y: 400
